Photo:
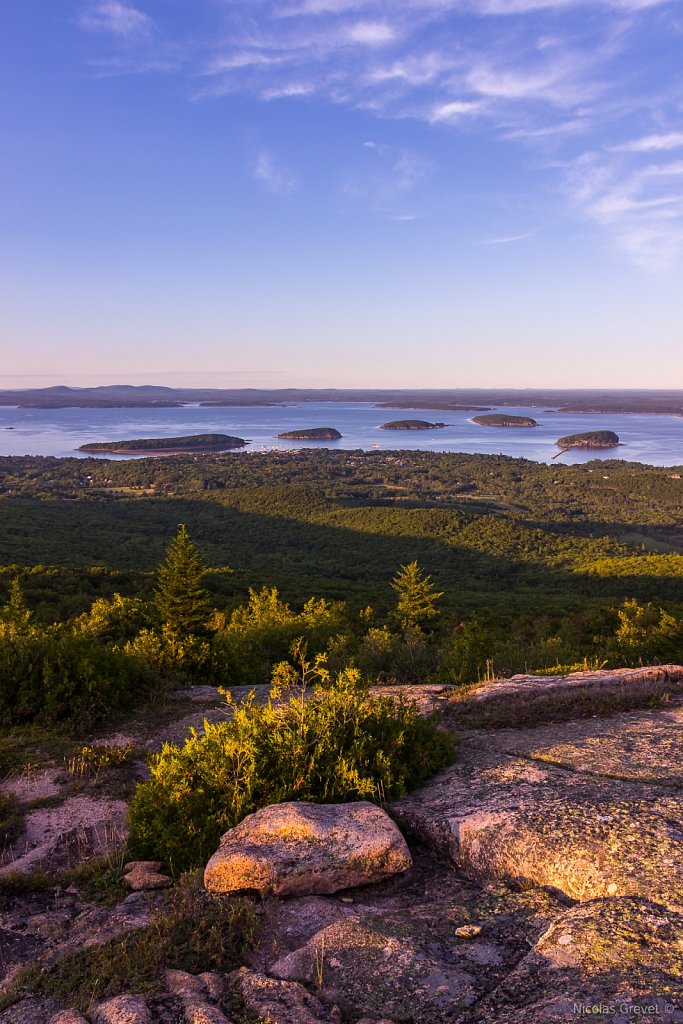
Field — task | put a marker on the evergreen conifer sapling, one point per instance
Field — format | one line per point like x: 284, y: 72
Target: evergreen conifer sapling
x: 180, y: 598
x: 415, y: 597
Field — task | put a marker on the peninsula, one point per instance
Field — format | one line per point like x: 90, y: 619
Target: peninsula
x: 590, y: 439
x: 440, y: 406
x: 311, y: 434
x: 502, y: 419
x: 190, y: 444
x: 411, y: 425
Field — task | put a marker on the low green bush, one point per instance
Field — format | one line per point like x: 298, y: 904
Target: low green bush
x: 51, y: 677
x: 174, y: 657
x: 114, y: 620
x: 260, y: 633
x: 335, y: 744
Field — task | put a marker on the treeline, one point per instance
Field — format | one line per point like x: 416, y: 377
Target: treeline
x: 126, y: 649
x: 606, y: 491
x: 536, y: 563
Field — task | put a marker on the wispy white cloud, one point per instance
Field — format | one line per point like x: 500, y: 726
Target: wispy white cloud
x: 512, y: 7
x: 117, y: 18
x: 555, y: 132
x: 507, y: 239
x: 564, y: 77
x: 455, y: 110
x: 240, y: 60
x: 371, y: 33
x: 413, y: 70
x: 272, y: 175
x: 563, y: 81
x: 288, y: 90
x: 321, y: 7
x: 641, y: 207
x: 651, y: 143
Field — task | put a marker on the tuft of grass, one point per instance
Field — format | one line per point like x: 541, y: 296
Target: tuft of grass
x: 89, y: 761
x: 100, y: 879
x: 15, y: 884
x: 196, y: 932
x: 28, y: 749
x: 42, y: 802
x: 12, y: 816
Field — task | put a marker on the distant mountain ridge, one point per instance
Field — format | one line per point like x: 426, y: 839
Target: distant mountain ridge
x: 564, y: 400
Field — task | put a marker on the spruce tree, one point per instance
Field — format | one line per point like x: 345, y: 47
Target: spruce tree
x: 415, y: 597
x: 180, y: 598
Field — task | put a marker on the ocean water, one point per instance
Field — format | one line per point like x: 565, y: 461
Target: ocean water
x: 653, y: 439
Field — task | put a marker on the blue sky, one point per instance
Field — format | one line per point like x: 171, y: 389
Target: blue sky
x: 342, y: 192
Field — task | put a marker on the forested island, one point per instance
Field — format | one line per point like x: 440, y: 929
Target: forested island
x: 311, y: 434
x: 411, y: 425
x: 192, y: 443
x: 590, y: 439
x: 501, y: 419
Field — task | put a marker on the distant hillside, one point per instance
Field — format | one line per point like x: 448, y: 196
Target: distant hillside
x: 564, y: 400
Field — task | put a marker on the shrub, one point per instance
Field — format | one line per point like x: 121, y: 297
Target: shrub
x: 408, y: 657
x: 331, y: 745
x: 113, y: 620
x: 645, y: 634
x: 172, y: 656
x: 52, y: 677
x: 261, y: 633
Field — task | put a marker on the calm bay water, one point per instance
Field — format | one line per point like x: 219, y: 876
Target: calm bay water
x: 657, y: 440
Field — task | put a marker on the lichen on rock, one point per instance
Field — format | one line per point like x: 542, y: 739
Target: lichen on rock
x: 305, y: 848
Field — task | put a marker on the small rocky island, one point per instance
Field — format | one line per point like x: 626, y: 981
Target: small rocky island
x: 590, y: 439
x: 311, y: 434
x: 504, y: 419
x: 191, y: 444
x: 411, y: 425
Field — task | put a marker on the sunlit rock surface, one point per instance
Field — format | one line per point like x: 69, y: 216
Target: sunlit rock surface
x: 590, y: 809
x: 545, y: 877
x: 301, y: 848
